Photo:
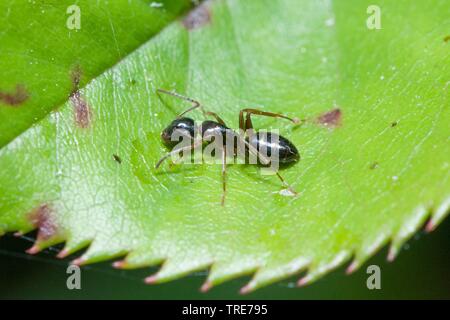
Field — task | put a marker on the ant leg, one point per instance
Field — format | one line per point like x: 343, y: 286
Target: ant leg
x: 195, y: 104
x: 286, y: 184
x: 242, y: 126
x: 224, y: 174
x: 218, y: 119
x: 249, y: 112
x: 176, y: 151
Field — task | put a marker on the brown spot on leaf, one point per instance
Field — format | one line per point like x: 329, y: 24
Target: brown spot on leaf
x: 332, y: 118
x: 447, y: 38
x: 393, y: 124
x: 82, y: 111
x: 374, y: 165
x: 75, y: 77
x: 42, y: 219
x: 197, y: 17
x: 16, y: 98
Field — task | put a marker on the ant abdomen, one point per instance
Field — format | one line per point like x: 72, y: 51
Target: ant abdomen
x: 276, y: 147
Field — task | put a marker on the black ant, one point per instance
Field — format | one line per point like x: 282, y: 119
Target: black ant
x: 253, y: 142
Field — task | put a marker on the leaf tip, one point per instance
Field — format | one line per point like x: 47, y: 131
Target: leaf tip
x: 78, y: 262
x: 151, y: 279
x: 430, y: 226
x: 303, y: 281
x: 63, y: 253
x: 33, y: 250
x: 351, y: 268
x: 206, y: 286
x: 119, y: 264
x: 391, y: 255
x: 246, y: 289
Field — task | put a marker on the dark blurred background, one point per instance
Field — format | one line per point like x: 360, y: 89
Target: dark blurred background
x: 421, y: 271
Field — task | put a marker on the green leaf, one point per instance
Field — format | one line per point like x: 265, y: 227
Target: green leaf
x: 85, y: 174
x: 39, y: 52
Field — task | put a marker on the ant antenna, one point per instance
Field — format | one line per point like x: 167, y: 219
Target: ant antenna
x: 195, y: 104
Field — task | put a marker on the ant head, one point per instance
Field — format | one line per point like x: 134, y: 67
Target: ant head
x: 177, y: 130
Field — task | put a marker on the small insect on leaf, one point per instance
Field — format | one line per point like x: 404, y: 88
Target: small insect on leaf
x: 117, y: 158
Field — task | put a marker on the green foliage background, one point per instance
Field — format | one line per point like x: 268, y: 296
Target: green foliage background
x: 362, y: 185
